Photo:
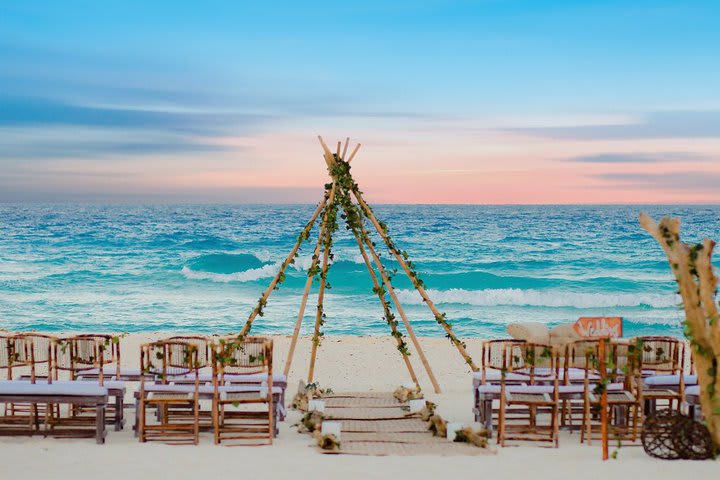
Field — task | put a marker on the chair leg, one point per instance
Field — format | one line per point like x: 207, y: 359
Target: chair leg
x: 501, y: 423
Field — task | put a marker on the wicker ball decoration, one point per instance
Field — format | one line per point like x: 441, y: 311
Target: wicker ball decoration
x: 672, y: 436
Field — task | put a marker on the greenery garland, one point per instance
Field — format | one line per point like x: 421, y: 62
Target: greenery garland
x: 354, y: 222
x: 304, y: 235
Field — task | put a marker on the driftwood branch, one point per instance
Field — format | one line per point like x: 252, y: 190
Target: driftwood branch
x: 697, y: 283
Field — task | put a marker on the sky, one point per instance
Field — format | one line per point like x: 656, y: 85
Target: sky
x: 494, y: 101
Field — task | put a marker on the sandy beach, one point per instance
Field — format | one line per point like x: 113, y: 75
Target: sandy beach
x: 344, y: 363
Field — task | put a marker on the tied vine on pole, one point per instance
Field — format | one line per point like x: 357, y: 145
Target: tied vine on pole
x: 697, y: 285
x: 280, y: 277
x: 354, y: 223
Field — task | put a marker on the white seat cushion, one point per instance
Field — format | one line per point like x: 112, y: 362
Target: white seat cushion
x: 693, y: 391
x: 80, y: 389
x: 669, y: 380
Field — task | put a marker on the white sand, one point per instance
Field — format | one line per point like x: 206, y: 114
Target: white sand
x: 344, y: 363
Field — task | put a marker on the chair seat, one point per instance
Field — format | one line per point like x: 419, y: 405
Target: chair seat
x: 529, y: 398
x: 488, y: 389
x: 660, y: 394
x: 206, y: 390
x: 68, y: 389
x: 669, y: 380
x: 493, y: 376
x: 169, y: 396
x: 109, y: 384
x: 252, y: 378
x: 692, y: 394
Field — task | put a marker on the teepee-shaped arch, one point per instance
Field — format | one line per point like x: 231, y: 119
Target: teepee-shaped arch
x: 343, y: 194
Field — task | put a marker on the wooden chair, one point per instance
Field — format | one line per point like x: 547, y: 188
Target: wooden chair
x: 541, y: 364
x: 167, y: 359
x: 622, y: 380
x: 493, y: 363
x: 84, y: 353
x: 663, y: 359
x: 235, y: 413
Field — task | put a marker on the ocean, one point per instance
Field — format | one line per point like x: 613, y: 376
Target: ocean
x: 201, y: 268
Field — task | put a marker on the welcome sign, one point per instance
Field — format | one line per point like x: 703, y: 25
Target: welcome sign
x: 596, y: 327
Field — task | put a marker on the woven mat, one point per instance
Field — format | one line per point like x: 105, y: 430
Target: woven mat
x: 363, y: 402
x: 394, y: 437
x: 408, y: 449
x: 366, y: 413
x: 359, y: 395
x: 385, y: 426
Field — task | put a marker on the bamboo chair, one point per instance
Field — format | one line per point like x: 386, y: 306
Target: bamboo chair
x: 250, y: 426
x: 623, y: 368
x: 84, y: 353
x: 541, y: 364
x: 11, y: 356
x: 663, y: 370
x: 167, y: 359
x: 33, y: 351
x: 485, y: 382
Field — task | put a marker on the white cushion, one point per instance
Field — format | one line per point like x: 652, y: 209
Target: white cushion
x: 80, y: 389
x: 693, y: 391
x: 669, y: 380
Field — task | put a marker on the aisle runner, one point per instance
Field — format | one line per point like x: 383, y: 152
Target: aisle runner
x: 377, y: 424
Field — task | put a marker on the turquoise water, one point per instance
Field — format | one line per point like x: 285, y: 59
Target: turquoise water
x: 201, y: 268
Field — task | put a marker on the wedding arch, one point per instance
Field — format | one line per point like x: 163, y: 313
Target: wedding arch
x: 343, y: 195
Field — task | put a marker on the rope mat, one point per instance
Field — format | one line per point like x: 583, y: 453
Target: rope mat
x: 393, y: 437
x: 376, y: 424
x: 407, y: 425
x: 349, y: 413
x: 407, y: 449
x: 360, y: 395
x: 355, y: 402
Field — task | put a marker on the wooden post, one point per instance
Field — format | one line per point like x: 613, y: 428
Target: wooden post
x: 329, y: 159
x: 419, y: 288
x: 321, y: 291
x: 400, y: 310
x: 303, y: 303
x: 354, y: 152
x: 603, y: 400
x: 291, y: 255
x: 384, y: 303
x: 347, y: 142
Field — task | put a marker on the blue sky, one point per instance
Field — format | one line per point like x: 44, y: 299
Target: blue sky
x: 109, y: 100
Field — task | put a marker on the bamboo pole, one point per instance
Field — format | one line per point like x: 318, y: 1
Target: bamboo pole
x: 321, y: 291
x: 400, y: 310
x: 329, y: 159
x: 419, y: 288
x: 291, y: 255
x: 354, y: 152
x: 347, y: 143
x: 603, y: 401
x: 303, y: 303
x: 339, y: 144
x: 384, y: 303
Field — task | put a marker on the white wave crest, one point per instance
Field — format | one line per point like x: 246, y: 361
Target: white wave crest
x: 266, y: 271
x: 540, y: 298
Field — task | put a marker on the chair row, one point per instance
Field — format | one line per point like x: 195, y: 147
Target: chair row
x: 565, y: 385
x: 175, y: 376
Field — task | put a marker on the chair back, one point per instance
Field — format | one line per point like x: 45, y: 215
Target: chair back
x: 169, y: 358
x: 35, y: 350
x: 81, y: 353
x: 494, y: 356
x: 9, y: 353
x: 251, y: 355
x: 202, y: 343
x: 538, y: 361
x: 662, y: 355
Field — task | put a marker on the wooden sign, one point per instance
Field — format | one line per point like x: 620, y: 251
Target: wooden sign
x: 596, y: 327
